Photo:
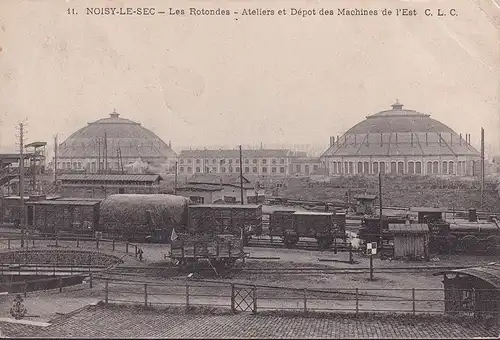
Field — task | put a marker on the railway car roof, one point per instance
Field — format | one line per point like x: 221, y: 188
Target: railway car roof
x: 489, y: 273
x: 401, y: 228
x: 234, y: 206
x: 313, y: 213
x: 427, y: 209
x: 64, y: 203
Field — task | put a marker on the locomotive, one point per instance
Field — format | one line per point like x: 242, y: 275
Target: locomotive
x: 455, y: 236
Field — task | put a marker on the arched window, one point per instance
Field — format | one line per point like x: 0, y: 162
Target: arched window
x: 411, y: 168
x: 429, y: 168
x: 346, y: 167
x: 360, y: 168
x: 451, y: 167
x: 375, y: 167
x: 382, y: 167
x: 339, y: 167
x: 435, y: 167
x: 445, y: 168
x: 401, y: 168
x: 366, y: 168
x: 393, y: 167
x: 334, y: 167
x: 351, y: 167
x: 418, y: 167
x: 474, y: 168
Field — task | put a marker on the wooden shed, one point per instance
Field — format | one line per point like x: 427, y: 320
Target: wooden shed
x: 411, y: 241
x: 472, y: 291
x: 365, y: 204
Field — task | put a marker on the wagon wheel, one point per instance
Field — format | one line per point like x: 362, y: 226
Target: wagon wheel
x: 469, y: 243
x: 290, y: 241
x: 325, y: 242
x: 492, y: 242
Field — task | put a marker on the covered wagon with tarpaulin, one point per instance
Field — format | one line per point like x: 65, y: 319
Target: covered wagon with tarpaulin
x: 219, y: 251
x: 68, y: 216
x: 136, y: 217
x: 472, y: 291
x: 243, y: 220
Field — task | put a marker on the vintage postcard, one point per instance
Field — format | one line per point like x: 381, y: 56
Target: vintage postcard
x: 250, y: 168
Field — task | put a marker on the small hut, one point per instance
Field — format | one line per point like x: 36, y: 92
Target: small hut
x: 365, y: 204
x: 411, y: 241
x: 472, y: 291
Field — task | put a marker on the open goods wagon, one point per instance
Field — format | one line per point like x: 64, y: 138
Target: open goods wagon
x: 243, y: 221
x: 221, y: 251
x: 292, y: 225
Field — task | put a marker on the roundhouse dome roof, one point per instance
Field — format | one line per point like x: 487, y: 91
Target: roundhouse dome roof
x: 120, y: 135
x: 399, y: 132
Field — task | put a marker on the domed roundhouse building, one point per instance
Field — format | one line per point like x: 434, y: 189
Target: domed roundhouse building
x: 112, y: 143
x: 401, y: 141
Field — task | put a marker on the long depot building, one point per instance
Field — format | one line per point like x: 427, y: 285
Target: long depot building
x: 401, y: 141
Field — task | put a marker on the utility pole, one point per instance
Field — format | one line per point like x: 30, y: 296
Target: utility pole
x: 21, y: 180
x: 241, y: 176
x: 55, y: 159
x: 482, y: 166
x: 175, y: 182
x: 105, y: 152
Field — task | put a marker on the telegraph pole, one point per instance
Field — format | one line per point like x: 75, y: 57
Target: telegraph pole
x: 21, y: 180
x: 482, y: 166
x: 175, y: 183
x: 241, y: 176
x: 55, y: 159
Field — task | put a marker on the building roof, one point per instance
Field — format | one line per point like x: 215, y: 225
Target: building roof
x: 109, y: 177
x: 133, y: 141
x: 401, y: 228
x: 367, y: 197
x: 199, y: 187
x: 489, y: 273
x: 301, y: 160
x: 400, y: 132
x: 65, y: 203
x: 249, y: 153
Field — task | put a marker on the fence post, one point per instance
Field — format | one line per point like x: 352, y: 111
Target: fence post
x: 335, y: 244
x: 126, y: 247
x: 8, y: 242
x: 57, y: 241
x: 25, y: 288
x: 60, y: 284
x: 97, y: 243
x: 78, y: 242
x: 91, y: 280
x: 350, y: 253
x: 135, y: 251
x: 305, y: 300
x: 33, y: 242
x: 413, y: 299
x: 145, y: 294
x: 254, y: 291
x: 187, y: 295
x: 357, y: 301
x: 113, y: 244
x: 106, y: 290
x: 232, y: 297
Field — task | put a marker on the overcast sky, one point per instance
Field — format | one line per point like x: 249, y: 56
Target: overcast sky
x: 216, y: 80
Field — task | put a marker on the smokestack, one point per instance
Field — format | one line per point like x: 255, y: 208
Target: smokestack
x: 460, y: 140
x: 354, y: 139
x: 381, y: 139
x: 411, y: 139
x: 426, y: 139
x: 439, y: 136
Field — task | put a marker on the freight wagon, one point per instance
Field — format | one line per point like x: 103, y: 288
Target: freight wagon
x: 292, y: 225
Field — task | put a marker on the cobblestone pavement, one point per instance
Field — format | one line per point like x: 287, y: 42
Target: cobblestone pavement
x: 135, y: 322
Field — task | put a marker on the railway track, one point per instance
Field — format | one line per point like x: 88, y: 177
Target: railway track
x: 305, y: 270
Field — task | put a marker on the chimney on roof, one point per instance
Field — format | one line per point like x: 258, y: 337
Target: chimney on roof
x: 460, y: 140
x: 397, y: 105
x: 337, y: 139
